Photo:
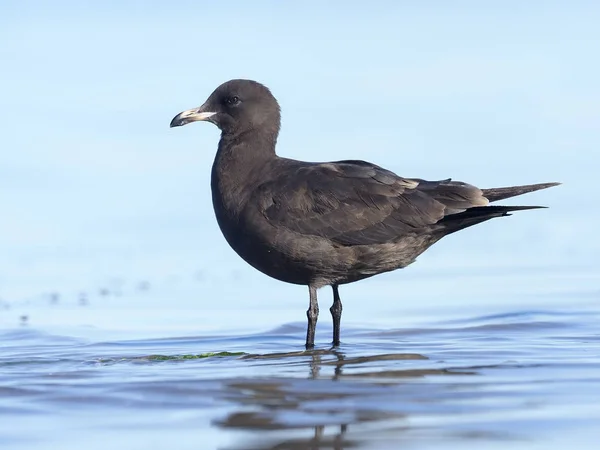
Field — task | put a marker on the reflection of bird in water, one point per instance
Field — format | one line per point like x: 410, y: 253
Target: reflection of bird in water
x: 318, y: 442
x: 276, y: 405
x: 330, y: 223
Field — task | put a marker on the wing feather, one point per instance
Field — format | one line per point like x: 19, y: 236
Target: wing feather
x: 358, y: 203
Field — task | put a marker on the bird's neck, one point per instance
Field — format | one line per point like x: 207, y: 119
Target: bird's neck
x: 238, y: 165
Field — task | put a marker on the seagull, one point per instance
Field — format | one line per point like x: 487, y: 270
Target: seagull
x: 324, y: 223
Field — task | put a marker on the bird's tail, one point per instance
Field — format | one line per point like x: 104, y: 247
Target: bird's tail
x: 496, y: 194
x: 478, y: 214
x: 473, y: 216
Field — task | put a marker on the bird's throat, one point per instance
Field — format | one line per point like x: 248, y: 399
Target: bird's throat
x: 237, y: 168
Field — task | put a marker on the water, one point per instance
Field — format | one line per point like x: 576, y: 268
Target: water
x: 135, y: 368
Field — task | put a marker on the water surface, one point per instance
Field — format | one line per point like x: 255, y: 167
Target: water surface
x: 147, y: 369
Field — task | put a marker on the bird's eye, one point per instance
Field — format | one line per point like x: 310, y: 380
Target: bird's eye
x: 232, y: 101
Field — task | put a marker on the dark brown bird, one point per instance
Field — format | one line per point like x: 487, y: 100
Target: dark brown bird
x: 330, y: 223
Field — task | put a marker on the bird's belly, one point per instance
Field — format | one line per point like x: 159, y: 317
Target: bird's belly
x: 304, y: 259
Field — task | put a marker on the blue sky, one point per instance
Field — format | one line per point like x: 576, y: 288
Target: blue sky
x: 94, y: 184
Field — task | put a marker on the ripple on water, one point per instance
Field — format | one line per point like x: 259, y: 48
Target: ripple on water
x: 517, y: 377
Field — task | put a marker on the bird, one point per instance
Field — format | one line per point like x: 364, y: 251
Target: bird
x: 324, y: 223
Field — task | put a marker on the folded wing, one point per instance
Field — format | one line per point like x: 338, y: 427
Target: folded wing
x: 358, y: 203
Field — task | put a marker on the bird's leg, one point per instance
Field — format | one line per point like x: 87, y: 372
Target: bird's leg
x: 312, y: 314
x: 336, y: 313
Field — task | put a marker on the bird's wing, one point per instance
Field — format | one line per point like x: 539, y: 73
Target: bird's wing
x: 358, y: 203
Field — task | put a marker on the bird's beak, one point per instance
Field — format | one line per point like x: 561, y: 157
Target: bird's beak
x: 191, y: 115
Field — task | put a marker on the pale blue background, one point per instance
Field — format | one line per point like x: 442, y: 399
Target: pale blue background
x: 95, y: 186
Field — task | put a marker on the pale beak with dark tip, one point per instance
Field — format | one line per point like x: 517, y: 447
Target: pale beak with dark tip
x: 191, y: 115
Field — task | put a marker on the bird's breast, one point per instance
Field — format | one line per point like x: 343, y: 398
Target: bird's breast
x: 250, y: 236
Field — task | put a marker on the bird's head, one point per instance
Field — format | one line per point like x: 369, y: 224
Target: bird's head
x: 235, y: 107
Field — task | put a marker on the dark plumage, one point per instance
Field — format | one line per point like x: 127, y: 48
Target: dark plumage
x: 324, y: 224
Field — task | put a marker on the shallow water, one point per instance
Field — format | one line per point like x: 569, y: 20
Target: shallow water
x: 136, y: 369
